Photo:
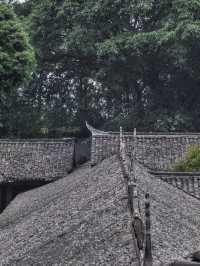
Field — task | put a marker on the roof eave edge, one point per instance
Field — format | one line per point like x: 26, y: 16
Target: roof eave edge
x: 95, y: 131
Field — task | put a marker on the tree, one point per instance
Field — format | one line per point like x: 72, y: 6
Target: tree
x: 126, y: 61
x: 159, y: 53
x: 66, y: 53
x: 16, y: 55
x: 17, y: 61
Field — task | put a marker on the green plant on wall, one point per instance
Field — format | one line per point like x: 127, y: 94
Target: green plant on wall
x: 191, y: 161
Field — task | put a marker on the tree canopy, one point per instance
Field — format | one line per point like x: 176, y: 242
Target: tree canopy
x: 16, y: 55
x: 17, y: 62
x: 114, y: 62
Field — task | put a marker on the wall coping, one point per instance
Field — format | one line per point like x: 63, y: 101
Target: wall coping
x: 35, y: 141
x: 173, y: 173
x: 149, y: 135
x: 155, y: 133
x: 97, y: 132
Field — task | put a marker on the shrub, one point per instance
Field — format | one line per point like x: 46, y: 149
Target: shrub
x: 191, y: 162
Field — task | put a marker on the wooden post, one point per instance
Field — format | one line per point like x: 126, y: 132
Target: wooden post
x: 121, y: 134
x: 136, y: 206
x: 120, y: 141
x: 182, y: 183
x: 134, y: 155
x: 148, y: 259
x: 139, y: 231
x: 193, y: 185
x: 130, y: 198
x: 187, y: 185
x: 137, y: 220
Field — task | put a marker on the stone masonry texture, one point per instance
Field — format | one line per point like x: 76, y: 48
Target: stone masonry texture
x: 35, y: 159
x: 82, y: 219
x: 155, y: 151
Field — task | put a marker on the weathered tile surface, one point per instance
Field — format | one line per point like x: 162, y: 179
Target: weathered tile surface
x: 175, y: 218
x: 81, y: 219
x: 36, y: 159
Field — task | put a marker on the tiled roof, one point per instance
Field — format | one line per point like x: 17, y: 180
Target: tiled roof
x: 35, y: 159
x: 82, y: 219
x: 175, y: 219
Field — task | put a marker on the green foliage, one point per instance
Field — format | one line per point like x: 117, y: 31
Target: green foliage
x: 114, y: 62
x: 16, y: 55
x: 191, y: 162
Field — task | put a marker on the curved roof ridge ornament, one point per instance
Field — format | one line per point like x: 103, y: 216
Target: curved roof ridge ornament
x: 95, y: 131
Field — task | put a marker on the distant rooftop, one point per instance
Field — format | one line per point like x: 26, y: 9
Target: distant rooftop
x: 35, y: 159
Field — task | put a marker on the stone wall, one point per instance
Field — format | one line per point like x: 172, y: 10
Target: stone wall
x: 35, y: 159
x: 156, y: 151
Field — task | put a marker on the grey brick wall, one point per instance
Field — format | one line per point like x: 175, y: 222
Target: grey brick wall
x: 156, y: 151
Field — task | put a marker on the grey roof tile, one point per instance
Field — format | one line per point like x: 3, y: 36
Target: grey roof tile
x: 175, y: 219
x: 82, y: 219
x: 28, y: 160
x: 78, y: 220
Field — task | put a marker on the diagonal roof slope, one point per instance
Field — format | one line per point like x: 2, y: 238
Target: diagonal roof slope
x: 175, y: 219
x: 81, y: 219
